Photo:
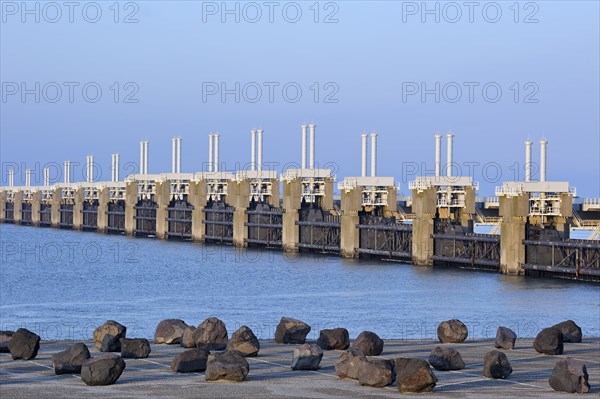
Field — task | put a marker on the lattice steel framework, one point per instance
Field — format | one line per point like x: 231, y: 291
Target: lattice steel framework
x: 477, y: 251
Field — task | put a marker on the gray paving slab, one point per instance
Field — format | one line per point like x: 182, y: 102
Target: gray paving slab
x: 271, y: 376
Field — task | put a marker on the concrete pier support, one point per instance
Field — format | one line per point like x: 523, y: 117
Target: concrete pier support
x: 197, y: 198
x: 327, y: 200
x: 2, y: 206
x: 351, y: 205
x: 514, y: 211
x: 424, y: 207
x: 131, y: 200
x: 162, y: 199
x: 18, y: 216
x: 102, y: 220
x: 290, y: 234
x: 466, y: 214
x: 392, y: 206
x: 238, y: 195
x: 35, y: 208
x: 55, y: 207
x: 563, y: 223
x: 78, y: 208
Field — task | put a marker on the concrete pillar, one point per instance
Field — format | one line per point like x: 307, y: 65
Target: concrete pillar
x: 566, y: 206
x: 131, y: 200
x: 197, y: 199
x: 564, y: 222
x: 291, y: 204
x: 55, y: 207
x: 514, y: 212
x: 327, y: 200
x: 238, y: 195
x: 162, y: 199
x: 18, y: 206
x: 351, y: 204
x: 466, y: 214
x: 78, y: 208
x: 103, y: 199
x: 35, y: 207
x: 424, y: 207
x: 2, y: 206
x: 392, y: 206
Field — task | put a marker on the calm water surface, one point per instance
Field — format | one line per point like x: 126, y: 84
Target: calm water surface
x: 62, y: 284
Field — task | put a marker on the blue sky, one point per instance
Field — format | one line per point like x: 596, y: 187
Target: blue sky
x: 366, y: 65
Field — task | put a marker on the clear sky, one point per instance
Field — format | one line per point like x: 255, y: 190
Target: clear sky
x: 396, y: 68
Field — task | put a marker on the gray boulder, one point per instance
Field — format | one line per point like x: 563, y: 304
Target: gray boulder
x: 169, y: 331
x: 443, y: 358
x: 452, y: 332
x: 24, y: 344
x: 336, y: 338
x: 570, y: 375
x: 505, y: 338
x: 70, y: 360
x: 135, y: 348
x: 571, y: 332
x: 368, y: 343
x: 227, y: 366
x: 496, y: 365
x: 187, y: 338
x: 307, y: 357
x: 414, y: 375
x: 190, y: 361
x: 549, y: 341
x: 104, y: 369
x: 376, y: 372
x: 5, y: 337
x: 212, y: 333
x: 291, y: 331
x: 244, y: 341
x: 107, y: 337
x: 347, y: 366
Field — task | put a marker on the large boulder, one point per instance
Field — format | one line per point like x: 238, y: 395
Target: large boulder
x: 291, y: 331
x: 107, y: 337
x: 443, y: 358
x: 549, y: 341
x: 244, y: 341
x: 505, y: 338
x: 24, y: 344
x: 348, y: 365
x: 5, y: 337
x: 135, y: 348
x: 307, y: 357
x: 452, y: 332
x: 336, y: 338
x: 368, y: 343
x: 70, y: 360
x: 571, y: 332
x: 169, y: 331
x: 190, y: 361
x: 414, y: 375
x: 496, y: 365
x: 376, y: 372
x: 212, y: 334
x: 227, y: 366
x: 187, y: 337
x: 104, y: 369
x: 570, y: 375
